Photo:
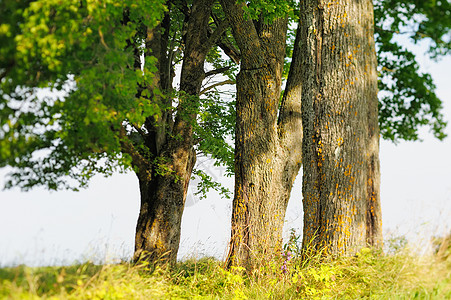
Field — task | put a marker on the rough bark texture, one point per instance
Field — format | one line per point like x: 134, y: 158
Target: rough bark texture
x: 267, y: 156
x: 165, y: 168
x: 341, y: 134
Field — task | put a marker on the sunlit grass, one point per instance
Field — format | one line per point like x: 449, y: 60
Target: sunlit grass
x: 370, y: 275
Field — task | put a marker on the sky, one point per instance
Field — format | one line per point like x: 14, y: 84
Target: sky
x: 51, y: 228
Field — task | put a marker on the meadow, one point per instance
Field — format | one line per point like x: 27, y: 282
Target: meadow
x: 396, y: 274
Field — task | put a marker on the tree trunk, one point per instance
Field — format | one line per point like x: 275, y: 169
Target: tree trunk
x: 164, y: 174
x: 267, y: 152
x: 159, y: 223
x: 341, y: 134
x: 258, y: 214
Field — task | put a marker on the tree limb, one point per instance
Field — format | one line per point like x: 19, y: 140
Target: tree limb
x: 215, y: 35
x: 217, y: 71
x: 228, y: 48
x: 244, y: 30
x: 6, y: 70
x: 224, y: 43
x: 138, y: 161
x: 216, y: 85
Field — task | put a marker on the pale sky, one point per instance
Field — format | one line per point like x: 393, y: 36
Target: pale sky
x: 41, y: 227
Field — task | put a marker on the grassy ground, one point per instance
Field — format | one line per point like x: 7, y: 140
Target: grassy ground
x: 369, y: 275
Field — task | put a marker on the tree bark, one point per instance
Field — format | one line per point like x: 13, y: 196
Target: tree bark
x: 164, y: 176
x: 267, y: 150
x: 162, y: 202
x: 341, y: 134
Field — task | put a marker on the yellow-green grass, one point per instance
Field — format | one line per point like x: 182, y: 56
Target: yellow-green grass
x: 369, y: 275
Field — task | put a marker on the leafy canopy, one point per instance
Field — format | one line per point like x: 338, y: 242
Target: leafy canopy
x: 82, y: 50
x: 408, y: 100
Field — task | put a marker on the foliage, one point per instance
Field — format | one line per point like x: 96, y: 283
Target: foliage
x: 81, y: 50
x: 370, y: 274
x: 217, y: 120
x: 269, y: 10
x: 408, y: 100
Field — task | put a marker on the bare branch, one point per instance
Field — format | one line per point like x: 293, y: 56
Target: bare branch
x: 217, y: 71
x: 230, y: 50
x: 226, y: 46
x: 216, y: 85
x: 248, y: 40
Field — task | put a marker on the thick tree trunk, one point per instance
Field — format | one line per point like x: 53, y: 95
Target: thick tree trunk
x: 258, y: 214
x: 167, y: 163
x: 267, y: 150
x: 341, y: 134
x: 159, y: 223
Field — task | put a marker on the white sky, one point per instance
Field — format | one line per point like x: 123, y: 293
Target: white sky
x: 41, y: 227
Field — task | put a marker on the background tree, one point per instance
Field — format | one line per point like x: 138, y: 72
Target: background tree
x: 407, y: 99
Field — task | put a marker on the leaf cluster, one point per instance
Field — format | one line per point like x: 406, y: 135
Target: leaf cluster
x: 214, y: 132
x: 408, y: 100
x: 269, y: 10
x: 82, y: 52
x: 85, y: 53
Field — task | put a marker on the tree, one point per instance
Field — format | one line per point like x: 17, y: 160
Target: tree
x: 341, y: 133
x: 267, y: 151
x: 269, y: 135
x: 163, y: 193
x: 112, y: 65
x: 341, y: 181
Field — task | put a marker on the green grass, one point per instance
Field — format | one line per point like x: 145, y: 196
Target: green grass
x: 369, y: 275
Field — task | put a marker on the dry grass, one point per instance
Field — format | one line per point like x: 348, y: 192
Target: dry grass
x: 369, y: 275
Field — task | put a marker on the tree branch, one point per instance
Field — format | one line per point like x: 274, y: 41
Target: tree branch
x: 229, y: 50
x: 144, y: 171
x: 216, y: 85
x: 217, y: 71
x: 215, y: 35
x: 244, y: 30
x: 6, y: 70
x: 224, y: 43
x: 290, y: 117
